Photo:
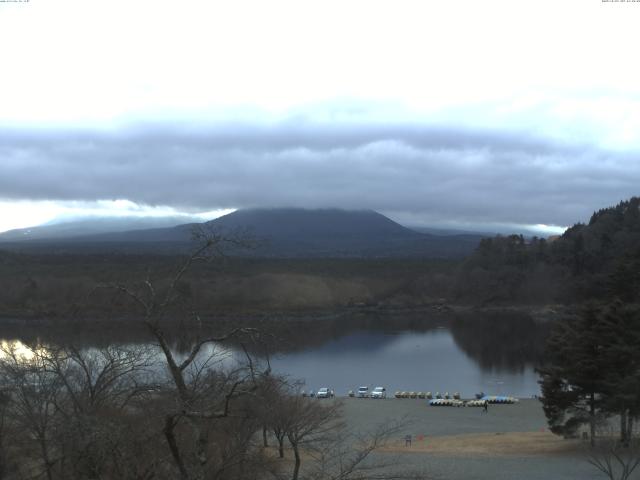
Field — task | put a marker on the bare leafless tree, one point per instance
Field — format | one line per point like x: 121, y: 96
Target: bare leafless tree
x: 309, y: 423
x: 98, y: 377
x: 33, y: 394
x: 194, y: 412
x: 272, y: 408
x: 201, y: 394
x: 316, y: 432
x: 613, y: 457
x: 73, y: 407
x: 353, y: 455
x: 615, y: 462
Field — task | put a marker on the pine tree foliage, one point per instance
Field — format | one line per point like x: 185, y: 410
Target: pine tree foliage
x: 597, y: 260
x: 592, y: 370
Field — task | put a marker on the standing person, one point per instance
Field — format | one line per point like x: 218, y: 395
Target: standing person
x: 485, y: 407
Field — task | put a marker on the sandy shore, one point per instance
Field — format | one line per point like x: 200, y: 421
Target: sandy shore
x: 507, y: 442
x: 525, y: 416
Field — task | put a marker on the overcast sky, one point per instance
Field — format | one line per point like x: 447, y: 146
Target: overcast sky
x: 469, y: 114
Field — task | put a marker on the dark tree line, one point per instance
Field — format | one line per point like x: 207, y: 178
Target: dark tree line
x: 592, y: 371
x: 591, y: 375
x: 598, y: 260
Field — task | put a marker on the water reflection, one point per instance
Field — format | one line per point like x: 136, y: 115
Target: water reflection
x: 22, y: 353
x: 17, y: 349
x: 416, y: 351
x: 501, y: 341
x: 409, y: 360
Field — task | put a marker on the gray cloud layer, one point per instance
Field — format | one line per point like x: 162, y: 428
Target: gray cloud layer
x: 437, y: 174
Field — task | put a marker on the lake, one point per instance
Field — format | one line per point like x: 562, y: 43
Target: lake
x: 466, y: 353
x: 404, y: 360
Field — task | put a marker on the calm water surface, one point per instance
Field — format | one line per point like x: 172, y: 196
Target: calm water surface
x: 490, y: 353
x: 405, y: 360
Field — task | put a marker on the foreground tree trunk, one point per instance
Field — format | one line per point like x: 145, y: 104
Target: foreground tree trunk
x: 168, y: 430
x: 624, y: 434
x: 298, y: 461
x: 45, y: 457
x: 592, y: 420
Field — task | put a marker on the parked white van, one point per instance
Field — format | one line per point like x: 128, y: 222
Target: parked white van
x: 324, y: 392
x: 379, y: 392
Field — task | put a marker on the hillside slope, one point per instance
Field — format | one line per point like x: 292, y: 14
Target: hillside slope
x: 600, y: 259
x: 283, y: 233
x: 90, y: 226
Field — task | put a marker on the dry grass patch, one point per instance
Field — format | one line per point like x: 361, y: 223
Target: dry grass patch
x: 492, y: 444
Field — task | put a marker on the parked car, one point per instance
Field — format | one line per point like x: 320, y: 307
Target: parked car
x: 363, y: 392
x: 324, y: 392
x: 379, y: 392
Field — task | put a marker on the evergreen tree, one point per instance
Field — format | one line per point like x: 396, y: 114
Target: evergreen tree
x: 620, y: 332
x: 593, y: 370
x: 573, y: 380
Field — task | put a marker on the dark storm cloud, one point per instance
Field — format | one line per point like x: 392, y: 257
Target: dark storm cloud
x: 436, y: 173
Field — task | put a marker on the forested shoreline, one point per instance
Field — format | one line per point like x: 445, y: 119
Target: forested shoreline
x: 237, y: 422
x: 597, y: 260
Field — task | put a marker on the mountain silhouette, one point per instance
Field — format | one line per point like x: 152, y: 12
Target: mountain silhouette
x: 284, y: 232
